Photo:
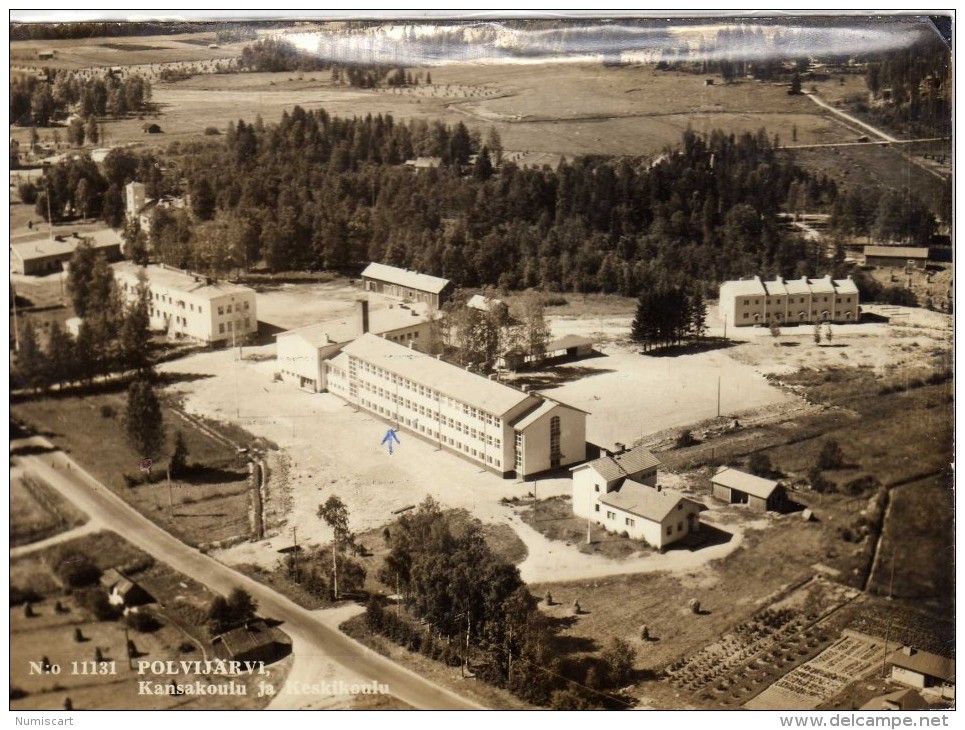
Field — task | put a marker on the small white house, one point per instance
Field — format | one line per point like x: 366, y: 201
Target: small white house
x: 923, y: 670
x: 619, y: 491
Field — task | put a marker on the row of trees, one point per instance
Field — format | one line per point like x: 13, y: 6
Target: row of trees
x: 885, y: 215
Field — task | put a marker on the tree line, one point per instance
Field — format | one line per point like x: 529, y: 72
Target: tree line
x: 668, y: 316
x: 274, y: 55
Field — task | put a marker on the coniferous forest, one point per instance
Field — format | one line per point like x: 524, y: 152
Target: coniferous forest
x: 318, y: 192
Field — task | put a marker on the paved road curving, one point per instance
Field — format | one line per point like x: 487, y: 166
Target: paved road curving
x: 322, y: 653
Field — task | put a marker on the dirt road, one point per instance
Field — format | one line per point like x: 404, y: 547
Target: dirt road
x: 322, y: 653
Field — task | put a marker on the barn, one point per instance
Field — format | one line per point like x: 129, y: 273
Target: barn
x: 122, y: 591
x: 896, y: 256
x: 737, y: 487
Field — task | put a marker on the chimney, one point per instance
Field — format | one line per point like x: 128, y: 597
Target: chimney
x: 362, y: 307
x: 492, y: 376
x: 907, y: 651
x: 659, y: 487
x: 439, y: 356
x: 526, y: 389
x: 620, y: 448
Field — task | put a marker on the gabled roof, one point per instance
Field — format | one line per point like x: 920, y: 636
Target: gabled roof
x: 743, y: 287
x: 110, y: 578
x: 483, y: 303
x: 821, y: 286
x: 530, y: 418
x: 904, y: 699
x: 924, y: 662
x: 898, y: 252
x: 775, y: 287
x: 743, y: 482
x: 466, y: 387
x: 177, y: 280
x: 644, y: 501
x: 845, y: 286
x: 255, y: 634
x: 349, y: 327
x: 797, y: 286
x: 626, y: 464
x: 403, y: 277
x: 45, y: 247
x: 566, y: 342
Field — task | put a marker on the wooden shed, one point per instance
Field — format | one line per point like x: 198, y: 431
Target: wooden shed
x: 738, y: 487
x: 255, y: 641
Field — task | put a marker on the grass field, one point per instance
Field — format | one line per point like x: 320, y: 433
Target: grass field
x: 211, y: 504
x: 37, y: 511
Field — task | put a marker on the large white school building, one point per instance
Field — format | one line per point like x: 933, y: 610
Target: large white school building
x: 192, y: 306
x: 502, y: 429
x: 748, y: 302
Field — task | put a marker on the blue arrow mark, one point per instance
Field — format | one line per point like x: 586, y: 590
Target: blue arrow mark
x: 389, y: 438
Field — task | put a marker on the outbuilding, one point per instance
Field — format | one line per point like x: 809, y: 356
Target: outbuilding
x: 738, y: 487
x: 122, y: 591
x: 896, y: 256
x: 256, y: 641
x: 923, y: 670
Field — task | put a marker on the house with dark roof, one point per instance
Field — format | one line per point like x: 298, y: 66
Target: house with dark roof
x: 256, y: 641
x: 619, y: 491
x: 392, y: 281
x: 562, y: 348
x: 737, y: 487
x: 923, y: 670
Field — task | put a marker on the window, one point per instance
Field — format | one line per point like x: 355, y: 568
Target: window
x: 670, y: 530
x: 247, y: 306
x: 680, y: 506
x: 745, y: 315
x: 229, y: 309
x: 199, y: 309
x: 611, y: 515
x: 192, y: 307
x: 746, y: 302
x: 596, y: 508
x: 220, y: 310
x: 247, y: 323
x: 849, y: 300
x: 596, y: 487
x: 221, y: 329
x: 630, y: 522
x: 680, y: 527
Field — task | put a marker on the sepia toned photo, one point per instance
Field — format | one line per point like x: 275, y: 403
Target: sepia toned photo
x: 481, y: 362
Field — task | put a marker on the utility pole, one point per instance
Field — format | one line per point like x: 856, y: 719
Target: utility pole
x: 170, y: 491
x: 725, y: 326
x: 891, y: 583
x: 295, y: 552
x: 16, y: 326
x: 718, y: 396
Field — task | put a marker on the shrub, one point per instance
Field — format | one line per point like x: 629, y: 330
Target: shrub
x: 142, y: 622
x: 95, y: 601
x: 820, y: 483
x: 186, y: 647
x: 760, y: 465
x: 76, y: 570
x: 831, y: 456
x: 20, y: 595
x: 211, y: 131
x: 685, y: 439
x: 554, y: 300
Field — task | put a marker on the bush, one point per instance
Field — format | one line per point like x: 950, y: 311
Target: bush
x: 820, y: 483
x: 212, y: 131
x: 760, y: 465
x: 95, y: 601
x: 685, y: 439
x: 554, y: 300
x: 142, y: 622
x: 76, y: 570
x: 831, y: 456
x: 20, y: 595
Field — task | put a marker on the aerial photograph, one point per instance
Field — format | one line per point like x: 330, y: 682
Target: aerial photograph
x: 481, y: 363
